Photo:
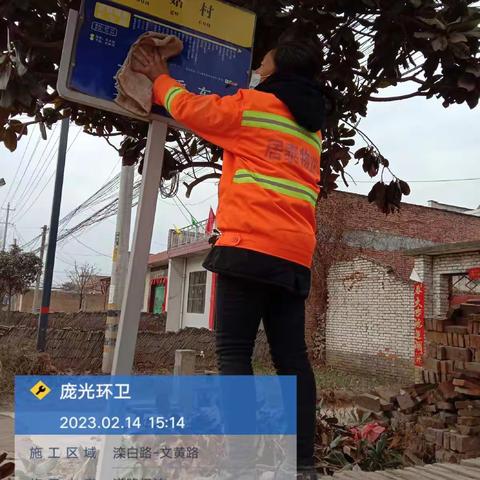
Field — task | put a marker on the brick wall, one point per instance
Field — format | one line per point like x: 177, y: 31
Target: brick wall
x: 383, y: 240
x: 370, y: 322
x: 414, y: 221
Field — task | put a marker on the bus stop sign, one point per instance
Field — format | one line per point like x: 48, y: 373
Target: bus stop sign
x: 217, y: 37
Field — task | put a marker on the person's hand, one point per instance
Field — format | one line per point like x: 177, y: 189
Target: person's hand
x: 150, y: 62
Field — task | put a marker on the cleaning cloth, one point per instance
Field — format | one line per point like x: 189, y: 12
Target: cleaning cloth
x: 135, y: 89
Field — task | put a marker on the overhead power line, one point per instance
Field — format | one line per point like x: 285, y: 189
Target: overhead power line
x: 12, y: 183
x: 39, y: 171
x: 449, y: 180
x: 90, y: 248
x: 26, y: 168
x: 26, y: 210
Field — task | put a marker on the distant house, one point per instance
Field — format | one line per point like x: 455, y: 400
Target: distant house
x: 177, y: 283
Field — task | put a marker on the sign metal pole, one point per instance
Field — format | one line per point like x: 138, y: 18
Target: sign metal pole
x: 138, y: 264
x: 137, y: 270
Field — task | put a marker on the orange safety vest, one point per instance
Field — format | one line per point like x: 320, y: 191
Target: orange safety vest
x: 271, y: 168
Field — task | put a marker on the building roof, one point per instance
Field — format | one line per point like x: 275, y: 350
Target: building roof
x: 433, y: 205
x: 191, y: 249
x: 446, y: 206
x: 158, y: 259
x: 446, y: 249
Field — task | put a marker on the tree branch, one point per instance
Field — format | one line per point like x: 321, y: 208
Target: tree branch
x: 412, y: 78
x: 399, y: 97
x: 196, y: 182
x: 201, y: 165
x: 108, y: 135
x: 111, y: 144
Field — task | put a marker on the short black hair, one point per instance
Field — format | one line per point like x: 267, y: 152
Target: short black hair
x: 298, y: 58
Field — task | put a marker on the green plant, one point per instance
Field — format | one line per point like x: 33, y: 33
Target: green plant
x: 379, y: 456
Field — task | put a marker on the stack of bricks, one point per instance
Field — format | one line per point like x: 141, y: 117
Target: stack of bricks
x: 452, y: 349
x: 439, y: 419
x: 453, y: 428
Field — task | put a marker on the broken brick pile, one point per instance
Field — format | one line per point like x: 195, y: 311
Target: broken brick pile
x: 441, y: 423
x: 442, y: 415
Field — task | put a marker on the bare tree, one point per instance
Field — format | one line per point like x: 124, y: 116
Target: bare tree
x: 80, y: 280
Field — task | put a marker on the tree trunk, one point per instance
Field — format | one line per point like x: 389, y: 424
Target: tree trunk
x: 81, y: 302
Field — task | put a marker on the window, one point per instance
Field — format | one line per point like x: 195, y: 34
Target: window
x: 197, y: 286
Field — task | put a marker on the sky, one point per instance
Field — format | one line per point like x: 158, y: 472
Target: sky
x: 423, y: 141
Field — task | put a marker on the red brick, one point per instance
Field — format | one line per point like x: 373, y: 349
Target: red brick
x: 474, y: 341
x: 472, y: 367
x: 369, y: 402
x: 447, y: 390
x: 432, y: 365
x: 466, y: 404
x: 465, y: 443
x: 467, y: 430
x: 469, y: 421
x: 469, y: 412
x: 436, y: 337
x: 459, y: 354
x: 457, y: 329
x: 405, y: 402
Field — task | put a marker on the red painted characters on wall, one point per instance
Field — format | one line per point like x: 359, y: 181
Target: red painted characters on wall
x: 419, y: 305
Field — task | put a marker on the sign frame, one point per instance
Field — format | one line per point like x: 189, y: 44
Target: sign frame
x: 74, y: 22
x: 67, y: 93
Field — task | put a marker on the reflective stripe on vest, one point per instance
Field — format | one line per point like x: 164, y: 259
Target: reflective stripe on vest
x: 171, y: 94
x: 279, y: 185
x: 270, y: 121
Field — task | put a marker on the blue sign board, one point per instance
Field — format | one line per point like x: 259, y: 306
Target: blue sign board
x: 217, y: 51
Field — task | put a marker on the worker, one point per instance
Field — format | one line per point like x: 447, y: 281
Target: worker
x: 272, y: 141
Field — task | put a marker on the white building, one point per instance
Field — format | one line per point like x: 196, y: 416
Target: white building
x: 178, y: 284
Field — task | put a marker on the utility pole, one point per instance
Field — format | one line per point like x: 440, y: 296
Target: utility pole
x: 52, y: 238
x: 119, y: 264
x: 5, y: 231
x: 37, y: 284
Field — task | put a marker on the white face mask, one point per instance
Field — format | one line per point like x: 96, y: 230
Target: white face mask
x: 255, y: 80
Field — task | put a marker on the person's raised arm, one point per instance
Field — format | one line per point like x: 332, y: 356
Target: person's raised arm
x: 215, y: 118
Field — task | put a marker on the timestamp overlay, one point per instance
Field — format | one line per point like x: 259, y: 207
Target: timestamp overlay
x: 155, y: 427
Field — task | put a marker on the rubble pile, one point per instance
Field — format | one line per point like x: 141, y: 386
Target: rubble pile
x: 434, y: 422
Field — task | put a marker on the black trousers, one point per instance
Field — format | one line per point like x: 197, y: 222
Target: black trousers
x: 241, y: 305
